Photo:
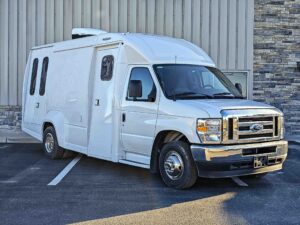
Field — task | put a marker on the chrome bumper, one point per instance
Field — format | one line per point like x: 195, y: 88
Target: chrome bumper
x: 237, y: 160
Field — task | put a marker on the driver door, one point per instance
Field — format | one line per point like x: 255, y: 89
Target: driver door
x: 139, y: 115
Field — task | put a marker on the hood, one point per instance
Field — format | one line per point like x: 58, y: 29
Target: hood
x: 212, y: 108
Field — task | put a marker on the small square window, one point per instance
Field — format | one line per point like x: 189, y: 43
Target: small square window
x: 107, y: 67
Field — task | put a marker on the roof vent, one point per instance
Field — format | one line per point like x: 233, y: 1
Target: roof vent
x: 85, y: 32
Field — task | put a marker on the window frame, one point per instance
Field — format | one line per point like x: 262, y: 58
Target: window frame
x: 102, y: 77
x: 34, y: 70
x: 128, y: 81
x: 44, y: 76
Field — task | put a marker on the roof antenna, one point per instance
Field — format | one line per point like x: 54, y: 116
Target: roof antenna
x: 175, y: 59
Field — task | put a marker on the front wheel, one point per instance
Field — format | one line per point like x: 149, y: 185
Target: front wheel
x: 176, y: 165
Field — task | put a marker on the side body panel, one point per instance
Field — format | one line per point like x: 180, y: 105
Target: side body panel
x: 68, y: 95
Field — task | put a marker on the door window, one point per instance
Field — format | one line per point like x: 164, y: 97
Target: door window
x: 33, y: 76
x: 44, y: 76
x: 107, y: 67
x: 148, y: 87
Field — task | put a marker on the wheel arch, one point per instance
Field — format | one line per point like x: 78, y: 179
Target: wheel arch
x: 163, y: 137
x: 56, y: 120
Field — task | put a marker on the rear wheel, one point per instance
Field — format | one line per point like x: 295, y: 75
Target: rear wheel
x: 50, y: 144
x: 176, y: 165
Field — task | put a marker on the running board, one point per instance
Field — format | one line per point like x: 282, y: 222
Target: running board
x: 134, y: 164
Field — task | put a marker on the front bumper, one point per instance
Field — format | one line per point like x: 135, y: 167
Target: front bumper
x: 216, y: 161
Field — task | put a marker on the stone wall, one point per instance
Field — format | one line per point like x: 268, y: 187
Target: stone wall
x: 10, y: 117
x: 276, y: 53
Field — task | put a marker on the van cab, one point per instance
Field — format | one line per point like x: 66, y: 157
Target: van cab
x: 148, y: 101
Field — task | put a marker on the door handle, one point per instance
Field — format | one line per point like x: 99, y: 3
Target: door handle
x: 37, y: 105
x: 97, y: 103
x: 123, y: 117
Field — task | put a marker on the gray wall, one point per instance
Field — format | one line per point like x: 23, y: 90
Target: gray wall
x: 223, y: 28
x: 276, y: 53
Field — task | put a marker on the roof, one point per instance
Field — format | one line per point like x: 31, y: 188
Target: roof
x: 169, y: 50
x: 150, y: 48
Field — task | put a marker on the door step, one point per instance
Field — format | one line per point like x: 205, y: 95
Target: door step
x: 146, y: 166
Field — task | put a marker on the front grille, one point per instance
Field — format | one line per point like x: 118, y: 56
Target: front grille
x: 245, y: 125
x: 250, y: 128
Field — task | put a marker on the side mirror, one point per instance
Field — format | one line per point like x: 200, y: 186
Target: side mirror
x: 135, y: 89
x: 239, y: 87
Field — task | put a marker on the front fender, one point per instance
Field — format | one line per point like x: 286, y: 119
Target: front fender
x: 184, y: 125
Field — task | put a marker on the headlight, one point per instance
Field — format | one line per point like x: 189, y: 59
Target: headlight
x: 209, y: 130
x: 281, y: 127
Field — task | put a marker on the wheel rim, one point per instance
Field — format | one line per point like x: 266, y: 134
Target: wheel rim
x: 49, y: 142
x: 173, y: 165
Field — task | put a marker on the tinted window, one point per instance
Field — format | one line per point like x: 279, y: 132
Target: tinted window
x: 33, y: 76
x: 44, y: 76
x: 194, y: 81
x: 148, y: 86
x: 107, y: 67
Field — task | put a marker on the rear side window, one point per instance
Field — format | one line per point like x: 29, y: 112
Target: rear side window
x: 33, y: 76
x: 107, y: 67
x: 44, y: 75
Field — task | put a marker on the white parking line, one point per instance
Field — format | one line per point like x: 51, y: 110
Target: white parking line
x: 20, y: 176
x: 65, y: 171
x: 239, y: 182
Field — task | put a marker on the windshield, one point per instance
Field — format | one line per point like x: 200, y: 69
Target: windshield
x: 180, y: 81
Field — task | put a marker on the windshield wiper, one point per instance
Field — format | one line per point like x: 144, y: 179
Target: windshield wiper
x: 226, y: 94
x: 223, y: 93
x: 190, y: 94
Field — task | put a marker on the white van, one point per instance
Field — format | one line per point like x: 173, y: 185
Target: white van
x: 149, y: 101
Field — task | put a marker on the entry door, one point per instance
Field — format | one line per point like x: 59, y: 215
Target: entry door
x: 139, y: 115
x: 31, y: 105
x: 100, y: 136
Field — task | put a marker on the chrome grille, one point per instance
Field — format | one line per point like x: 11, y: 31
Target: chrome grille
x: 266, y: 125
x: 251, y: 125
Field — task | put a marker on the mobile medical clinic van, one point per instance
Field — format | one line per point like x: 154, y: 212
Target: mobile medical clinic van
x: 149, y: 101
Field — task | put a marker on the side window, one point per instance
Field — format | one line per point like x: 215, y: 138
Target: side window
x: 44, y: 75
x: 143, y: 75
x: 107, y: 67
x: 33, y: 76
x: 210, y: 81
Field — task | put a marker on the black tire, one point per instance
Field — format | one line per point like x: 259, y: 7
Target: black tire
x: 51, y: 149
x: 177, y: 153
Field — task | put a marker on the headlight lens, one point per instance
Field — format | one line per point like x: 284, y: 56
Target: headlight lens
x: 282, y: 130
x: 209, y: 130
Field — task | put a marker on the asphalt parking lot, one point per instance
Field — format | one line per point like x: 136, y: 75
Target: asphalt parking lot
x: 100, y: 192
